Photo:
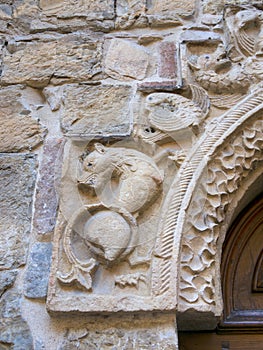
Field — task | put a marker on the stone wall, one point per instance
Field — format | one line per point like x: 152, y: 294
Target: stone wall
x: 77, y: 72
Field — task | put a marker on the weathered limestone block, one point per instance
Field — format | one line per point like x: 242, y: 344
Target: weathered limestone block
x: 21, y: 8
x: 14, y: 331
x: 5, y: 16
x: 75, y: 23
x: 61, y: 15
x: 57, y: 59
x: 153, y: 338
x: 130, y: 6
x: 131, y: 13
x: 37, y: 274
x: 167, y: 7
x: 46, y: 198
x: 19, y: 131
x: 214, y: 7
x: 126, y: 60
x: 17, y: 186
x: 7, y: 279
x: 98, y: 9
x: 96, y: 110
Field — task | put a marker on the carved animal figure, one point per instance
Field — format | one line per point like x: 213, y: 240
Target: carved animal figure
x: 242, y: 24
x: 216, y: 73
x: 170, y: 114
x: 121, y: 177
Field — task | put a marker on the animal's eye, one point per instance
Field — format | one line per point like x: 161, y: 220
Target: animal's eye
x: 89, y: 164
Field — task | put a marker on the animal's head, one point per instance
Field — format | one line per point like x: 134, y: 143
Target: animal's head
x: 97, y: 167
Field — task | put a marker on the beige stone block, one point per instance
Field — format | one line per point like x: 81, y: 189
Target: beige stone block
x: 137, y: 333
x: 126, y: 60
x: 161, y: 7
x: 214, y: 7
x: 217, y: 7
x: 19, y: 131
x: 68, y: 58
x: 130, y: 6
x: 94, y: 9
x: 96, y: 110
x: 17, y: 174
x: 25, y: 8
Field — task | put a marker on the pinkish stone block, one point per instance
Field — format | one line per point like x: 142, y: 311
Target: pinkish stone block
x: 167, y: 61
x: 46, y: 201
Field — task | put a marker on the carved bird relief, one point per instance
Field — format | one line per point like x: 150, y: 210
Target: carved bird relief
x: 169, y: 114
x: 248, y: 32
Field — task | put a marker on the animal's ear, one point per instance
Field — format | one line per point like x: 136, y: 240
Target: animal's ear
x: 100, y: 148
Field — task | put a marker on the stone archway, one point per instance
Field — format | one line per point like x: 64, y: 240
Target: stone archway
x: 234, y: 163
x: 200, y: 206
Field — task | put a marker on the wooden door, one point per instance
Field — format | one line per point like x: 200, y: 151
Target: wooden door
x: 241, y: 327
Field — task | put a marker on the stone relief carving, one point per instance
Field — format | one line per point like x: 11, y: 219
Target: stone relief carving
x: 226, y: 65
x: 173, y: 218
x: 138, y: 178
x: 225, y: 174
x: 124, y: 182
x: 132, y: 202
x: 104, y: 249
x: 169, y: 115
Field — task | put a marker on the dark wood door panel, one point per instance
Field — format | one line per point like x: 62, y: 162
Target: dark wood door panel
x: 242, y: 270
x: 213, y: 341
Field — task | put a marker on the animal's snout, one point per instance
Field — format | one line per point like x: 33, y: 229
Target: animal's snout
x: 88, y: 180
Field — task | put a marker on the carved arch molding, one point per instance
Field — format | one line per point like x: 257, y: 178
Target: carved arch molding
x: 221, y: 182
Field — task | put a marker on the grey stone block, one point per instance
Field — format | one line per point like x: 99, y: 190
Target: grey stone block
x: 36, y: 278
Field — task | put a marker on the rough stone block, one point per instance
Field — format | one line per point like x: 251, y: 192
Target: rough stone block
x: 7, y: 279
x: 125, y: 6
x: 17, y: 173
x: 46, y: 199
x: 121, y: 338
x: 96, y: 110
x: 166, y: 7
x: 14, y: 331
x: 19, y: 131
x: 215, y: 7
x: 125, y: 59
x: 98, y: 9
x: 60, y: 59
x: 37, y: 274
